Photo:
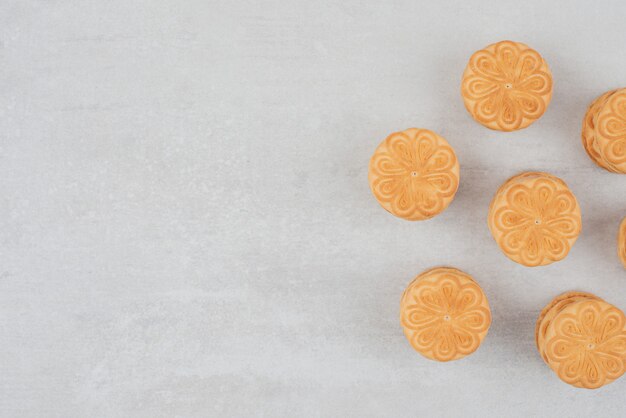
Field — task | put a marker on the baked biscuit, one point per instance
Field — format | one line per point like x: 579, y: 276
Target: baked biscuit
x: 610, y: 124
x: 506, y: 86
x: 549, y: 312
x: 414, y: 174
x: 535, y: 219
x: 588, y: 132
x: 604, y: 131
x: 583, y: 339
x: 444, y: 314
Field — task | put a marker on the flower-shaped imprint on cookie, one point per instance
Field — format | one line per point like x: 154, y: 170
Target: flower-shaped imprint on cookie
x: 535, y: 219
x: 611, y: 131
x: 445, y: 314
x: 549, y: 313
x: 589, y: 131
x: 506, y: 86
x: 586, y: 344
x: 414, y: 174
x: 621, y: 242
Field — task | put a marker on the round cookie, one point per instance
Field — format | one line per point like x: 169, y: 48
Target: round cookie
x: 534, y: 218
x: 621, y: 242
x: 414, y: 174
x: 506, y: 86
x: 610, y: 129
x: 444, y: 314
x: 550, y: 311
x: 583, y: 340
x: 588, y: 132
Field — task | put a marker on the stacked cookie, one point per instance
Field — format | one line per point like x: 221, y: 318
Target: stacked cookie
x: 583, y: 339
x: 604, y: 131
x: 534, y: 218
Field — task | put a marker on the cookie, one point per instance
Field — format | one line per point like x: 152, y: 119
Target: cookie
x: 610, y: 129
x: 444, y: 314
x: 414, y: 174
x: 621, y: 242
x: 549, y: 312
x: 506, y: 86
x: 582, y: 339
x: 535, y: 219
x: 604, y: 131
x: 588, y: 131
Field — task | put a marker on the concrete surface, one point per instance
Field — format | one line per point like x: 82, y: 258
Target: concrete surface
x: 187, y: 230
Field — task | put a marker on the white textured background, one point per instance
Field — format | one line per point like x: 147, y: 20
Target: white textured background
x: 186, y: 227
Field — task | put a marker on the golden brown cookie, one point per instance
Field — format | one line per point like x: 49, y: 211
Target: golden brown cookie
x: 549, y: 312
x: 621, y: 242
x: 604, y: 131
x: 583, y: 339
x: 534, y: 218
x: 588, y: 131
x: 444, y: 314
x: 414, y: 174
x: 506, y: 86
x: 610, y: 127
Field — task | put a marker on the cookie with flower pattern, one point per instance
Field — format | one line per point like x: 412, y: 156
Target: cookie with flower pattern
x: 506, y: 86
x: 589, y: 132
x: 604, y: 131
x: 550, y: 311
x: 583, y: 340
x: 414, y: 174
x: 535, y: 219
x: 444, y: 314
x: 610, y: 130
